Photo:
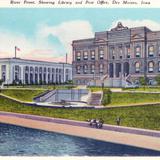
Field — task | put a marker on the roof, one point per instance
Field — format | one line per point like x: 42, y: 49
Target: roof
x: 30, y: 60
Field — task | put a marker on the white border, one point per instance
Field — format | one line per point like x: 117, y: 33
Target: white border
x: 96, y: 4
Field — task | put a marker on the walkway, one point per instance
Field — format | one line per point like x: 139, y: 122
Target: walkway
x: 117, y: 134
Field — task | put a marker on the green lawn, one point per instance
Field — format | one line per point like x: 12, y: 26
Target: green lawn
x: 44, y: 86
x: 142, y: 117
x: 132, y: 98
x: 22, y: 94
x: 95, y: 89
x: 146, y: 89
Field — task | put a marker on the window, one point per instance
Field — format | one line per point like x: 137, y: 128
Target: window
x: 150, y: 67
x: 137, y: 67
x: 85, y: 69
x: 26, y: 68
x: 159, y: 50
x: 101, y: 54
x: 52, y: 70
x: 92, y: 55
x: 16, y: 76
x: 138, y: 51
x: 40, y: 69
x: 78, y: 69
x: 16, y: 68
x: 120, y: 50
x: 101, y: 68
x: 128, y: 52
x: 36, y: 69
x: 158, y: 66
x: 3, y: 67
x: 31, y: 69
x: 85, y: 55
x: 120, y: 57
x: 3, y: 76
x: 112, y: 52
x: 92, y: 69
x: 78, y: 56
x: 150, y: 51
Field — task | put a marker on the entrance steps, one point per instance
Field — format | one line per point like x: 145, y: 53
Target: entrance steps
x: 96, y: 98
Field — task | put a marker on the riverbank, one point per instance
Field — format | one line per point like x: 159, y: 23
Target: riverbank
x: 115, y: 134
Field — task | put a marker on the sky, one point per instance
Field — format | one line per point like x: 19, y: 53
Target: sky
x: 47, y: 34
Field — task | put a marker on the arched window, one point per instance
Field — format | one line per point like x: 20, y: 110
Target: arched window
x: 26, y: 68
x: 85, y: 69
x: 53, y: 70
x: 150, y: 67
x: 101, y: 68
x: 101, y: 54
x: 78, y: 69
x: 137, y: 51
x: 92, y: 54
x: 159, y: 66
x: 85, y: 55
x: 128, y: 51
x: 36, y: 69
x: 78, y: 56
x: 92, y: 68
x: 137, y: 67
x: 151, y: 51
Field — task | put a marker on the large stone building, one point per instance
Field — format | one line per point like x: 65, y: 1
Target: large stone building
x: 116, y: 55
x: 16, y: 70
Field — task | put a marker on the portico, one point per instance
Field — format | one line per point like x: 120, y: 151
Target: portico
x: 16, y: 70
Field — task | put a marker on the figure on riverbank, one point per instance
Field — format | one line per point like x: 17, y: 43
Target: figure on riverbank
x: 118, y: 120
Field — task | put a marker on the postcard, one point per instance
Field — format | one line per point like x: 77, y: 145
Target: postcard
x: 79, y: 79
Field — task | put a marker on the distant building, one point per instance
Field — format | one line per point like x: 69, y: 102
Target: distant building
x: 16, y: 70
x: 114, y: 56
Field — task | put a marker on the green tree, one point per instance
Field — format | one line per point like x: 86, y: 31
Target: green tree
x: 1, y: 81
x: 157, y: 78
x: 142, y: 81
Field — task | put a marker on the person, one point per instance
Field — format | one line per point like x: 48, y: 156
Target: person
x: 118, y: 120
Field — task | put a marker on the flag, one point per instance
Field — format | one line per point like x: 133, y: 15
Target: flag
x: 17, y: 49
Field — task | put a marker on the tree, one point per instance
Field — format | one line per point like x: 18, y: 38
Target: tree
x: 1, y: 81
x: 143, y: 81
x: 157, y: 78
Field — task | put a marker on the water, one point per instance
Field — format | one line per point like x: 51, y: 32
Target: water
x: 21, y: 141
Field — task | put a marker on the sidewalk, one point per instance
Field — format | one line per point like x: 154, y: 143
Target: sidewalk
x: 117, y: 134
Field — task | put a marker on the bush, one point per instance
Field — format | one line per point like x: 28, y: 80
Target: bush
x: 106, y: 96
x: 157, y: 78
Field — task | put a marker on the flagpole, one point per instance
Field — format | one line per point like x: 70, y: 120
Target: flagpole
x: 15, y: 52
x: 66, y: 57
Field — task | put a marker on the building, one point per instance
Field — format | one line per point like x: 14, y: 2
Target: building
x: 16, y: 70
x: 121, y: 54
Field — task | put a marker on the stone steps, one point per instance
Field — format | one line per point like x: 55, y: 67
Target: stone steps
x: 95, y: 99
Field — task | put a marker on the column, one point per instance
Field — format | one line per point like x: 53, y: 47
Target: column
x: 29, y: 75
x: 114, y: 70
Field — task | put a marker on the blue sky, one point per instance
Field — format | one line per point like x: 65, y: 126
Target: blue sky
x: 43, y: 26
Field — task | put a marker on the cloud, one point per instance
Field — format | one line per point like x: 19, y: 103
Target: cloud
x: 39, y: 46
x: 155, y: 26
x: 68, y: 31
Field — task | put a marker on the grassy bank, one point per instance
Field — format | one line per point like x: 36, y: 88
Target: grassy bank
x: 23, y: 95
x: 145, y: 88
x: 131, y: 98
x: 44, y: 86
x: 141, y: 117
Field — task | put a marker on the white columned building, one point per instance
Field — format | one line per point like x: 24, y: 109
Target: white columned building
x: 16, y: 70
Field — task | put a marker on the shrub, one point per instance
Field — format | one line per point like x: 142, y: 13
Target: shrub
x: 106, y: 96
